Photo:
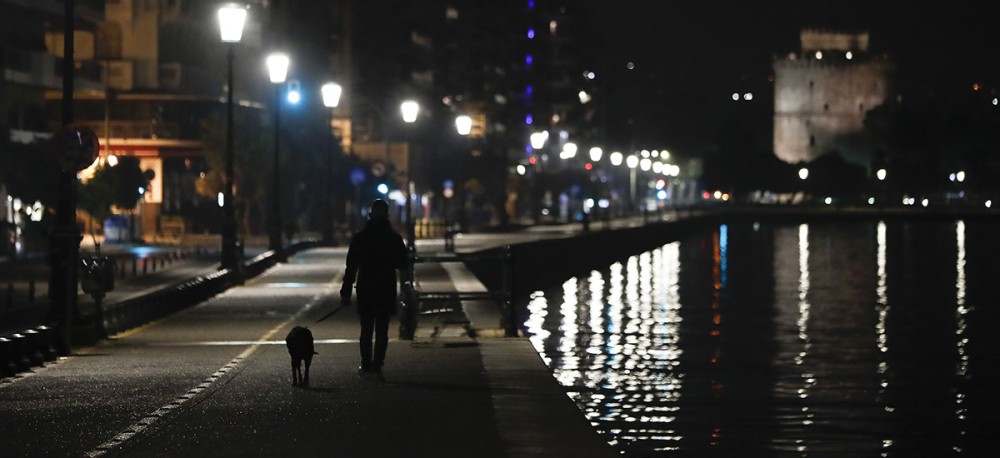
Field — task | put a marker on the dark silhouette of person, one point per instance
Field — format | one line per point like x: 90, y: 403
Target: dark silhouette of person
x: 375, y: 253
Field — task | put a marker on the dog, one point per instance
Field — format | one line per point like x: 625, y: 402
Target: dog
x: 300, y: 346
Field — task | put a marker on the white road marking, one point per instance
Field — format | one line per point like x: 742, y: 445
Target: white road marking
x: 161, y: 412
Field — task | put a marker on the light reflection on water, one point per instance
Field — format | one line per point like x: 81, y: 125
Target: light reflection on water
x: 775, y: 341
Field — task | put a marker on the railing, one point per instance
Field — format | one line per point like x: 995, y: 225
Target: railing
x: 135, y: 129
x: 412, y: 299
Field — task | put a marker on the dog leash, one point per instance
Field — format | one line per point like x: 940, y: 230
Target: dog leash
x: 328, y: 315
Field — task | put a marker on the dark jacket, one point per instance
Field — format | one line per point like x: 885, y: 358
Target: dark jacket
x: 372, y: 259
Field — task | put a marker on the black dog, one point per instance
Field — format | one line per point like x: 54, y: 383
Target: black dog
x: 300, y: 345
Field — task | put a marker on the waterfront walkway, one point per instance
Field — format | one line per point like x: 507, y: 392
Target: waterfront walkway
x: 212, y: 380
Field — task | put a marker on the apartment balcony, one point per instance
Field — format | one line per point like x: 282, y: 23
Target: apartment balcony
x: 41, y: 69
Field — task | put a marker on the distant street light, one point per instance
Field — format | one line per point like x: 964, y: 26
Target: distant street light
x: 960, y: 176
x: 568, y: 151
x: 538, y: 139
x: 232, y: 17
x: 880, y: 174
x: 803, y: 173
x: 410, y: 110
x: 615, y: 158
x: 277, y: 69
x: 632, y: 162
x: 331, y: 99
x: 463, y: 124
x: 645, y: 164
x: 596, y: 153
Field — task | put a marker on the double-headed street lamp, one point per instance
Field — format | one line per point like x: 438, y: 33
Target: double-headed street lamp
x: 331, y: 98
x: 232, y: 17
x: 410, y: 110
x: 277, y: 69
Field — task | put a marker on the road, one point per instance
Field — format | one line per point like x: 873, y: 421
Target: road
x: 214, y: 380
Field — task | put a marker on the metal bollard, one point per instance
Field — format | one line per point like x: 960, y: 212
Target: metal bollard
x: 20, y: 354
x: 145, y: 264
x: 7, y: 366
x: 47, y: 347
x: 134, y: 262
x: 33, y: 350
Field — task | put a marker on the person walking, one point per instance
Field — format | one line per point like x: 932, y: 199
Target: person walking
x: 375, y: 253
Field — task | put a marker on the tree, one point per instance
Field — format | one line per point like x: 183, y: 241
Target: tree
x: 112, y: 186
x: 252, y: 163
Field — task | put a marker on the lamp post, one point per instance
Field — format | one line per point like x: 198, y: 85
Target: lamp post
x: 232, y: 17
x: 410, y: 111
x: 277, y: 69
x: 632, y: 162
x: 331, y: 98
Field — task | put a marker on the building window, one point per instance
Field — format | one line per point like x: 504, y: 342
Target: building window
x: 861, y: 107
x: 826, y: 107
x: 812, y: 140
x: 811, y: 84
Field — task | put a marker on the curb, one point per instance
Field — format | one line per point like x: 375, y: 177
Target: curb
x: 33, y: 347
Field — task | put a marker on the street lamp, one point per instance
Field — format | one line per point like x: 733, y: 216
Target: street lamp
x: 277, y: 69
x: 632, y: 162
x: 538, y: 139
x: 880, y: 174
x: 803, y: 173
x: 232, y: 17
x: 596, y: 153
x: 463, y: 124
x: 410, y: 110
x: 615, y: 158
x: 331, y: 98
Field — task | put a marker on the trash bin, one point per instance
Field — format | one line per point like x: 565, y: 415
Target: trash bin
x: 97, y: 275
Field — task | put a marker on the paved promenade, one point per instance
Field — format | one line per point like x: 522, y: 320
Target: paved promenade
x: 213, y: 379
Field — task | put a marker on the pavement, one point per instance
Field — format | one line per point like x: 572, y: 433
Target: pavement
x: 212, y: 380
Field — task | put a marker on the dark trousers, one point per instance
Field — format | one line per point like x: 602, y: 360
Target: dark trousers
x: 376, y: 323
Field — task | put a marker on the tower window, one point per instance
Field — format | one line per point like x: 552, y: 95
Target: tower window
x: 812, y: 140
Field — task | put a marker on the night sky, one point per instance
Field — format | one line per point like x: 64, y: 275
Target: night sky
x: 691, y: 56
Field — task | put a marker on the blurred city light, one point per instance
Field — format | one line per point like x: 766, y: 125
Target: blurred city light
x: 645, y: 164
x: 736, y: 97
x: 538, y: 139
x: 925, y: 202
x: 828, y: 200
x: 331, y: 94
x: 880, y: 174
x: 410, y: 110
x: 568, y: 151
x: 382, y: 188
x: 960, y: 176
x: 616, y: 158
x: 584, y: 97
x: 803, y: 173
x: 294, y: 94
x: 871, y: 201
x: 632, y: 162
x: 596, y: 153
x: 748, y: 96
x: 220, y: 199
x: 989, y: 203
x: 112, y: 160
x: 463, y: 124
x: 521, y: 169
x: 849, y: 55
